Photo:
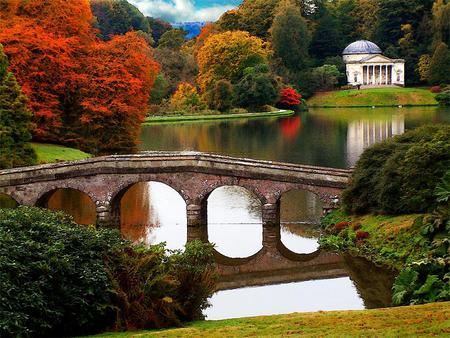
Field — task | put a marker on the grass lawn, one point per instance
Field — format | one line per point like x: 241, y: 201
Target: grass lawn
x: 201, y: 118
x: 430, y: 319
x: 377, y: 97
x: 49, y: 153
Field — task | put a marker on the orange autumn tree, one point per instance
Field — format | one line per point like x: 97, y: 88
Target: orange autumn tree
x: 121, y: 73
x: 63, y: 68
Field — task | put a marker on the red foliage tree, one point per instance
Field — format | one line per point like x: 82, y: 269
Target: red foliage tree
x: 79, y: 88
x: 289, y: 98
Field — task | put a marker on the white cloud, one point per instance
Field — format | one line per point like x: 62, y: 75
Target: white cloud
x: 180, y: 10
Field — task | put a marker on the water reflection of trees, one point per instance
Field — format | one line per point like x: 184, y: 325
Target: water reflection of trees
x: 311, y: 231
x: 75, y: 203
x: 135, y: 211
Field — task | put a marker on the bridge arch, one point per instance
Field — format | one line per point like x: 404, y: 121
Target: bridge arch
x: 234, y: 221
x: 75, y: 202
x: 7, y: 201
x: 151, y: 211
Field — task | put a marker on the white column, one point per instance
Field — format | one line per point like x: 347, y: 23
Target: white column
x: 379, y: 75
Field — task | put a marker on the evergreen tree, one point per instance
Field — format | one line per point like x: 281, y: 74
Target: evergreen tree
x: 290, y: 37
x: 15, y: 120
x: 439, y: 69
x: 328, y: 38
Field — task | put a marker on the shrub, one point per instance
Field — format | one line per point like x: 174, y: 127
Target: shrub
x: 61, y: 279
x: 400, y: 175
x: 436, y: 89
x: 53, y: 280
x: 341, y: 226
x: 325, y: 77
x: 444, y: 98
x: 362, y: 235
x: 289, y: 98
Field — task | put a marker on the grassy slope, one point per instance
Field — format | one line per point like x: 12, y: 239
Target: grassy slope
x: 393, y: 240
x: 374, y: 97
x: 430, y: 319
x: 184, y: 118
x: 48, y: 153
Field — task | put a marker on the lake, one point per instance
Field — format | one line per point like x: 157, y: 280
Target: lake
x: 153, y: 212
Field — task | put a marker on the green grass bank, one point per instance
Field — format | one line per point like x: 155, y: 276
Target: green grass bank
x: 50, y: 153
x: 430, y: 319
x: 392, y: 241
x: 214, y: 117
x: 378, y: 97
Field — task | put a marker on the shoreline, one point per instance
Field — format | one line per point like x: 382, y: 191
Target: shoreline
x: 216, y: 117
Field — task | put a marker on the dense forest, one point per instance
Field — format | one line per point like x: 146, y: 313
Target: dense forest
x: 92, y: 70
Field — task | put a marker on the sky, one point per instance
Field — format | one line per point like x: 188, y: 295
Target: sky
x: 185, y: 10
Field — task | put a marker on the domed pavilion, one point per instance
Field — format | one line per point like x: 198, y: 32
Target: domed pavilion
x: 367, y: 66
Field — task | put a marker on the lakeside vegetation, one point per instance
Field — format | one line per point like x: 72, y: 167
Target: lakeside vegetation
x: 49, y: 153
x: 374, y: 97
x: 396, y: 212
x: 430, y: 319
x: 213, y: 117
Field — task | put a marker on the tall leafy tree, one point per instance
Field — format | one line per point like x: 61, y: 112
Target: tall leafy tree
x: 225, y: 56
x: 328, y: 39
x: 439, y: 68
x: 441, y: 22
x: 290, y: 37
x: 158, y: 28
x: 117, y: 17
x: 15, y: 121
x: 56, y: 56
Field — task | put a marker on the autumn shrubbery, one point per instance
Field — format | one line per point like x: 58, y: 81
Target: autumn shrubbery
x: 60, y: 279
x: 399, y: 176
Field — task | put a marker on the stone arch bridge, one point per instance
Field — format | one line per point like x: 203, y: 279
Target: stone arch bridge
x: 193, y: 175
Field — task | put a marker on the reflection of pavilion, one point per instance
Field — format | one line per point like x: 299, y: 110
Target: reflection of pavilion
x: 362, y: 134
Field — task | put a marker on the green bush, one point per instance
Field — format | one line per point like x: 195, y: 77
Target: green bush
x: 399, y: 175
x: 52, y: 280
x: 444, y: 98
x: 59, y: 279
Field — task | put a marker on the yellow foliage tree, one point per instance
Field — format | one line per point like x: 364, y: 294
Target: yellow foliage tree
x: 225, y: 56
x: 186, y: 97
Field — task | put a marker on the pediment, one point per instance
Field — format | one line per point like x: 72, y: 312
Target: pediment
x: 376, y: 59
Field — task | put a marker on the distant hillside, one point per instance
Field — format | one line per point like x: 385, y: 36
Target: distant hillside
x: 192, y: 28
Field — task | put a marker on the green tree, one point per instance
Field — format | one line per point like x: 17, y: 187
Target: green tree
x: 158, y: 28
x: 290, y: 37
x: 325, y: 77
x: 328, y: 39
x: 160, y: 89
x: 221, y: 96
x: 172, y: 39
x: 438, y: 71
x: 15, y: 121
x: 441, y: 22
x: 257, y: 88
x: 118, y: 17
x: 348, y: 22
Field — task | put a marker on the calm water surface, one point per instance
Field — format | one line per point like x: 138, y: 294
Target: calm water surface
x: 153, y: 212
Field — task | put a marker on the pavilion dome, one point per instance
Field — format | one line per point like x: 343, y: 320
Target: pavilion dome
x: 362, y: 47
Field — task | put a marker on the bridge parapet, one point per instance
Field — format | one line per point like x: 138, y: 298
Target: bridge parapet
x: 193, y: 175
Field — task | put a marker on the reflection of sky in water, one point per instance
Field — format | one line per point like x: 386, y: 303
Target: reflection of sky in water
x: 298, y: 244
x: 330, y: 294
x: 234, y: 222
